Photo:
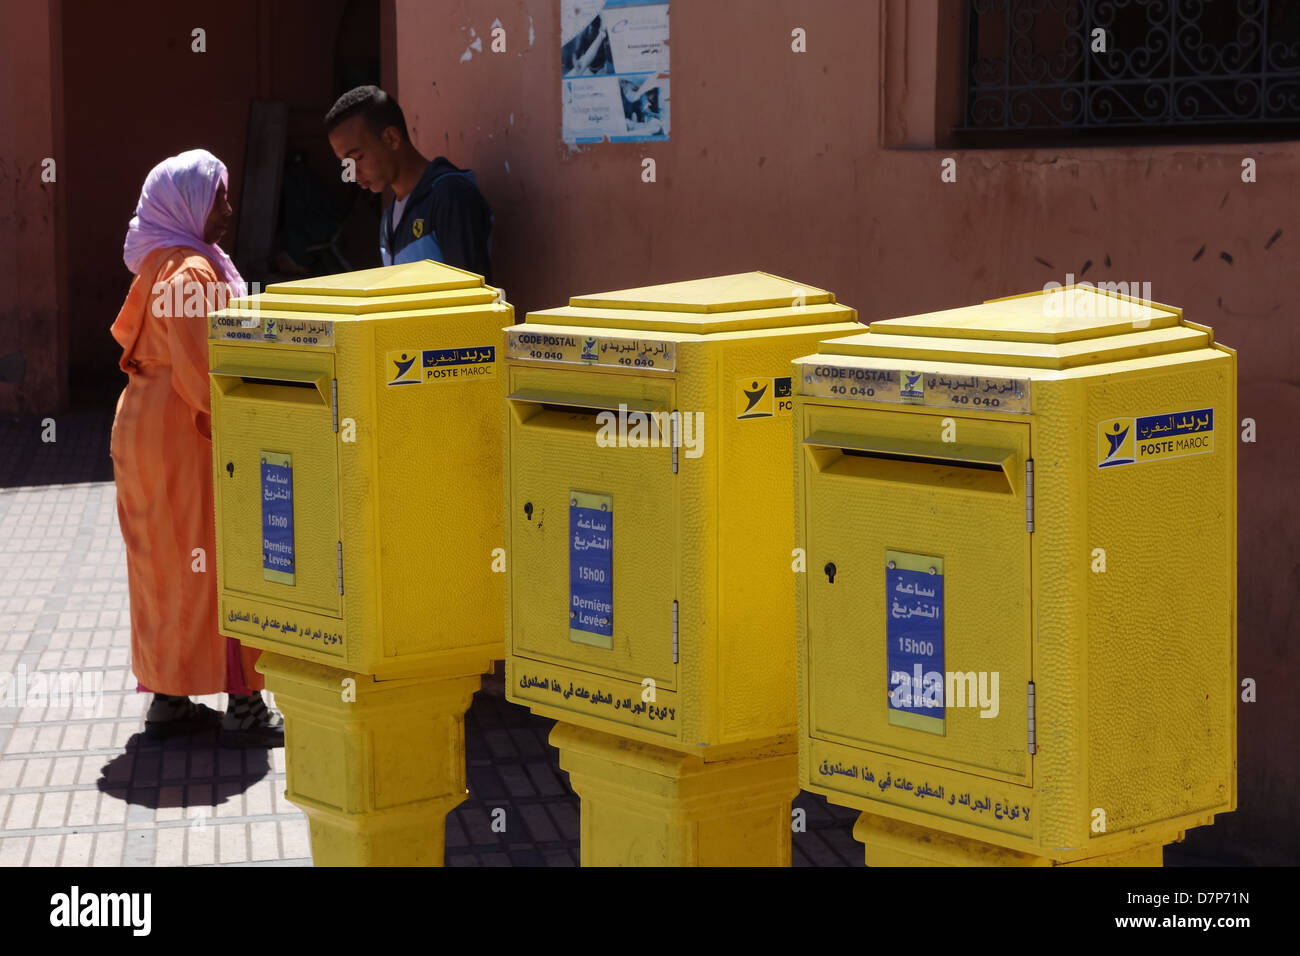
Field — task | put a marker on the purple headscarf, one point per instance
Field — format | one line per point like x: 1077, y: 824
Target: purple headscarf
x: 174, y: 204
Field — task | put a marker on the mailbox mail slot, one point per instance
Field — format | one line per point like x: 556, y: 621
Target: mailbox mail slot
x: 269, y: 409
x: 881, y: 482
x: 555, y: 454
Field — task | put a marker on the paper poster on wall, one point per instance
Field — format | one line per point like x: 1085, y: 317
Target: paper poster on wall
x: 614, y: 69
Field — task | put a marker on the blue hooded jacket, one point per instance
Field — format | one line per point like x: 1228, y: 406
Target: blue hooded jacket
x: 445, y: 219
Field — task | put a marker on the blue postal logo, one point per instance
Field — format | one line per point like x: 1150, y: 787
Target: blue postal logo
x: 1125, y: 441
x: 764, y: 397
x: 911, y: 389
x: 403, y: 368
x: 1115, y: 444
x: 418, y: 366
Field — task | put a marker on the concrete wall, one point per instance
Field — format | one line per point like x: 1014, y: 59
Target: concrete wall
x: 776, y: 163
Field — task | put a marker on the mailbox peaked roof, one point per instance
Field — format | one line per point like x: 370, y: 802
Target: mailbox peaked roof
x: 734, y: 293
x: 411, y: 286
x: 731, y: 303
x: 423, y: 276
x: 1061, y: 329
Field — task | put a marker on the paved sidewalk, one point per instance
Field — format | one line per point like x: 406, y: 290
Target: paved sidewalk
x: 86, y: 788
x: 79, y: 784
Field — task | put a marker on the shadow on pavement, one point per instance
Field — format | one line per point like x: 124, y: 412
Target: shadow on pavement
x: 188, y: 771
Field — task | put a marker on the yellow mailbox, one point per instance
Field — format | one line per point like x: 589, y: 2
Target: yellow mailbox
x: 356, y: 458
x: 649, y: 593
x: 1017, y: 636
x: 356, y: 462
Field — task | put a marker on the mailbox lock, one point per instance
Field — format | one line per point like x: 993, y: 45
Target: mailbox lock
x: 230, y: 469
x: 830, y: 571
x: 528, y: 510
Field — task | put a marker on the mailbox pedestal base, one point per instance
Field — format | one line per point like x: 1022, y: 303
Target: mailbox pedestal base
x: 375, y: 765
x: 648, y: 806
x: 894, y: 843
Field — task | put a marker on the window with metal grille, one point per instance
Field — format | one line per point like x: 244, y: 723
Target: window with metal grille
x: 1096, y: 65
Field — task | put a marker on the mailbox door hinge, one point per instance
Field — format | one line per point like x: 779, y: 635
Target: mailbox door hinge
x: 674, y: 632
x: 340, y: 553
x: 1029, y: 495
x: 674, y: 426
x: 1033, y: 746
x: 334, y: 403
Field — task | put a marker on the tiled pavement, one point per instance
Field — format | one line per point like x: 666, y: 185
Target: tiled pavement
x: 79, y: 785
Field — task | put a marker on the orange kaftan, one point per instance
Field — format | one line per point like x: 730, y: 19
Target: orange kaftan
x: 162, y: 463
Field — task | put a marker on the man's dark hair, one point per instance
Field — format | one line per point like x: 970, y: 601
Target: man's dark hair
x: 379, y: 109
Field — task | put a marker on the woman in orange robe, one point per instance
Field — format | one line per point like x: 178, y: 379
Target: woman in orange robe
x: 162, y: 457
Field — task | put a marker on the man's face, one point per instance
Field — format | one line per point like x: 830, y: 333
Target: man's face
x: 376, y: 157
x: 219, y: 218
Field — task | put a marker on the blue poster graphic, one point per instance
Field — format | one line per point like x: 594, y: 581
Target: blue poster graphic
x: 614, y: 68
x: 277, y: 517
x: 914, y: 634
x: 591, y: 569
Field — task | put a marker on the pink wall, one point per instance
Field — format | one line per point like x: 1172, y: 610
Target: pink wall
x: 776, y: 164
x: 33, y: 326
x: 160, y: 98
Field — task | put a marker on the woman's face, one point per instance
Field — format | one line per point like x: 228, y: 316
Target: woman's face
x: 219, y: 218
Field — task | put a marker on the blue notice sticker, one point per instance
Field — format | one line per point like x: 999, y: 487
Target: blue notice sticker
x: 277, y: 517
x: 914, y: 631
x: 591, y: 569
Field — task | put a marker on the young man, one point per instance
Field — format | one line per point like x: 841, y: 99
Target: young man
x: 438, y: 212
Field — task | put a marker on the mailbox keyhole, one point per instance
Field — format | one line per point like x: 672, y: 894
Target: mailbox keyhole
x: 528, y: 510
x: 230, y: 469
x: 830, y: 571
